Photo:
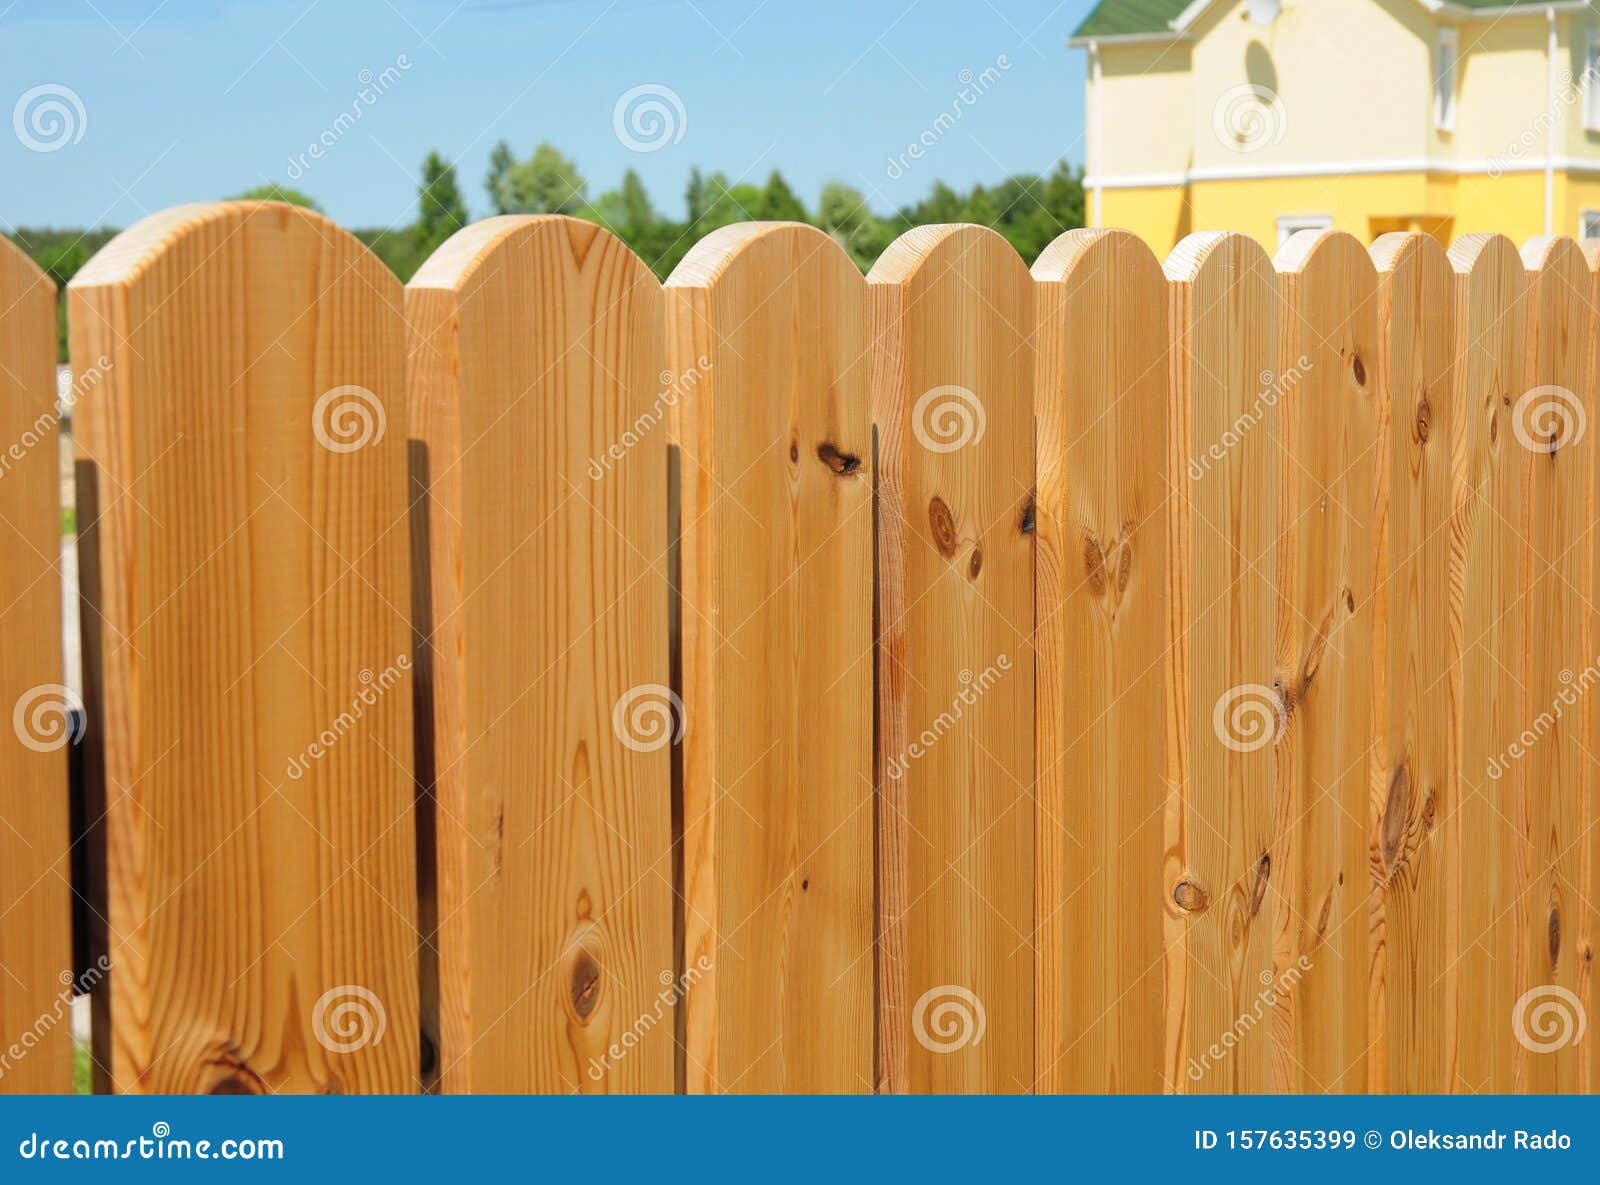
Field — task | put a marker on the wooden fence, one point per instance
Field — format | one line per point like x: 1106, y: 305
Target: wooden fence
x: 948, y: 680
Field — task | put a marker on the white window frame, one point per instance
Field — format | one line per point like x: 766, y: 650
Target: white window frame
x: 1591, y: 82
x: 1446, y: 61
x: 1290, y: 225
x: 1588, y: 225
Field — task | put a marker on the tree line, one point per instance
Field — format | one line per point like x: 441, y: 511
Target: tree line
x: 1029, y: 210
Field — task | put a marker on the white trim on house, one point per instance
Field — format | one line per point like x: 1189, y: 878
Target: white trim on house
x: 1359, y: 168
x: 1585, y: 218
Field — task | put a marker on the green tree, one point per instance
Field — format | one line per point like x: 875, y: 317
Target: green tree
x: 443, y: 209
x: 843, y: 213
x: 778, y: 203
x: 626, y: 211
x: 273, y: 192
x: 545, y: 183
x: 501, y: 162
x: 695, y: 196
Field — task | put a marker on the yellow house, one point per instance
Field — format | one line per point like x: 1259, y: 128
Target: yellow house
x: 1270, y: 116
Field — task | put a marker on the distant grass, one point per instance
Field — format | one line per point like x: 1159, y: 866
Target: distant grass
x: 69, y: 520
x: 82, y: 1070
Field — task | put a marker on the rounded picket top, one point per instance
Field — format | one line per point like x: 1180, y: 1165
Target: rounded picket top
x: 1546, y: 251
x: 1470, y: 252
x: 1196, y: 253
x: 18, y: 271
x: 463, y: 259
x: 1308, y: 251
x: 943, y: 242
x: 1072, y: 249
x: 732, y: 248
x: 1398, y: 251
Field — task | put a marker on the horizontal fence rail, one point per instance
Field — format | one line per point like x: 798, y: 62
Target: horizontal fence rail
x: 1114, y: 678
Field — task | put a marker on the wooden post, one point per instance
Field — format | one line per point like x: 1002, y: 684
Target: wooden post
x: 36, y: 985
x: 248, y: 450
x: 1415, y: 808
x: 1230, y: 705
x: 1328, y: 377
x: 1487, y: 380
x: 536, y: 350
x: 1553, y: 425
x: 953, y: 376
x: 768, y: 337
x: 1102, y: 640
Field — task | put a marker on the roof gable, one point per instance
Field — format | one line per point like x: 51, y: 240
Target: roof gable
x: 1136, y: 18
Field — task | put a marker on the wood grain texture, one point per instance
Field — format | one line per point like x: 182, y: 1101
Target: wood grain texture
x: 1328, y: 377
x: 536, y: 347
x: 1102, y: 644
x: 952, y: 391
x: 35, y: 893
x: 1219, y: 825
x: 1553, y: 423
x: 1415, y: 804
x: 1487, y: 381
x: 253, y: 601
x: 768, y: 334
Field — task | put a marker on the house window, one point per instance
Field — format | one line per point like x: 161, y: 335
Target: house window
x: 1444, y: 80
x: 1589, y: 225
x: 1291, y: 224
x: 1591, y: 84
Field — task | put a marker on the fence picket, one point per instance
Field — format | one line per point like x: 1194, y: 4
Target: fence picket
x: 1102, y: 642
x: 1488, y: 379
x: 953, y: 375
x: 247, y: 450
x: 1551, y: 421
x: 1225, y: 317
x: 1327, y: 382
x: 768, y: 338
x: 535, y: 348
x: 1415, y: 807
x: 35, y: 913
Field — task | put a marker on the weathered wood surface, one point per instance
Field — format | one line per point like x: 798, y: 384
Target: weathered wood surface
x: 1102, y: 641
x: 247, y: 446
x: 952, y: 390
x: 1229, y: 712
x: 536, y: 347
x: 768, y: 341
x: 36, y: 973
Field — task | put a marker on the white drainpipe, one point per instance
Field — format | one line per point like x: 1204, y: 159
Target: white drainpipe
x: 1096, y: 127
x: 1550, y: 137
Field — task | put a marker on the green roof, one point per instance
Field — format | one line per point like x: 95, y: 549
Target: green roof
x: 1123, y: 18
x: 1129, y: 18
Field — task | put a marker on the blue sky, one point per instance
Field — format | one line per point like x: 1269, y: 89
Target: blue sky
x: 186, y: 101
